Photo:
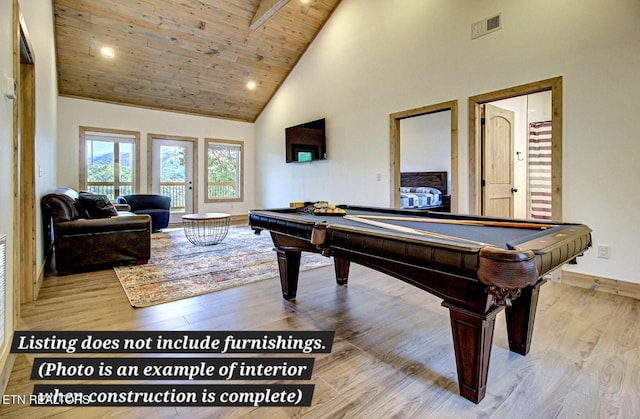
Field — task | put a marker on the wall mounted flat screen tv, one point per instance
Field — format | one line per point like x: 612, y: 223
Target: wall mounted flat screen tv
x: 306, y: 142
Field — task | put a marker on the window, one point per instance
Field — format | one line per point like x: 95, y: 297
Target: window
x: 109, y: 161
x: 224, y: 170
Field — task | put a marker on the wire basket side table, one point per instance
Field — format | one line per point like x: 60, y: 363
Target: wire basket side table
x: 206, y: 229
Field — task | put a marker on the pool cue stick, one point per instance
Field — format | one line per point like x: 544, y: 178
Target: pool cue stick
x: 507, y: 224
x: 411, y: 230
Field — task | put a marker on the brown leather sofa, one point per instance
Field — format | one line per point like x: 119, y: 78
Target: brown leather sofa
x: 86, y: 231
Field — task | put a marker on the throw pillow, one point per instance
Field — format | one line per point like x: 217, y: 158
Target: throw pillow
x: 96, y: 205
x: 61, y: 207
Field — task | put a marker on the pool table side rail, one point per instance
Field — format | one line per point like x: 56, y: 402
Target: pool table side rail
x: 449, y: 256
x: 285, y: 220
x: 575, y: 241
x: 397, y: 246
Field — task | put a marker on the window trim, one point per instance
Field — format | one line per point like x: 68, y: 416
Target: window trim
x: 239, y: 143
x: 108, y: 131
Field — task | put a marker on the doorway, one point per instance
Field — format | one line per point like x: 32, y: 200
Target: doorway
x: 173, y: 173
x: 24, y: 168
x: 477, y: 164
x: 395, y: 120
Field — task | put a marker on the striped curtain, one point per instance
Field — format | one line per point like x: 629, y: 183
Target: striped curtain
x: 540, y: 170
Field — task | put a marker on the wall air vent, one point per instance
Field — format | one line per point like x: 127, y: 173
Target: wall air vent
x: 485, y: 26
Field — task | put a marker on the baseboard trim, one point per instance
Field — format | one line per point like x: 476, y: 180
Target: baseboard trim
x: 239, y: 219
x: 595, y: 283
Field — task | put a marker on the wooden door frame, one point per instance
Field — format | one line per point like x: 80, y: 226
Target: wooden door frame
x: 394, y: 141
x: 25, y: 278
x: 475, y: 145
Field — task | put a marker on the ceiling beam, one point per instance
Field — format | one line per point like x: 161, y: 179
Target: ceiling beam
x: 266, y: 10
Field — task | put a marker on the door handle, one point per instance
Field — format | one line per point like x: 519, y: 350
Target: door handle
x: 514, y: 189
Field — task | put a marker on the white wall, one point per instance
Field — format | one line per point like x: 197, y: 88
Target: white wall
x: 425, y: 144
x: 377, y: 57
x: 38, y: 18
x: 74, y: 113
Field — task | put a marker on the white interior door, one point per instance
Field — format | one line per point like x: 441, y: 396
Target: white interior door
x: 172, y: 174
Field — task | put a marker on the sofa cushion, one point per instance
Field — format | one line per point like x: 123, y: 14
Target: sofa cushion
x: 61, y: 207
x: 96, y: 205
x: 83, y: 226
x: 146, y: 201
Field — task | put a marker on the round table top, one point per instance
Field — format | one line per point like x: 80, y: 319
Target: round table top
x: 206, y: 216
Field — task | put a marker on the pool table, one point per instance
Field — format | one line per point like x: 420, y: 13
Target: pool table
x: 476, y: 265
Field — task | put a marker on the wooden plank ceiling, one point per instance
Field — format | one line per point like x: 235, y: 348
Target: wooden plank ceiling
x: 191, y: 56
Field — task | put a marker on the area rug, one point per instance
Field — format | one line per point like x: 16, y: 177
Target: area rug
x: 179, y: 269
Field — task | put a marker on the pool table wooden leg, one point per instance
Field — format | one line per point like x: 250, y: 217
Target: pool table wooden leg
x: 341, y: 266
x: 520, y: 318
x: 289, y: 267
x: 472, y: 340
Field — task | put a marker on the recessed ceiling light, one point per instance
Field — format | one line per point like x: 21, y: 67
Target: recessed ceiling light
x: 107, y: 52
x: 251, y: 85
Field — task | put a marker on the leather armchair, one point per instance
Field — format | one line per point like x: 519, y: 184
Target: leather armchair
x: 158, y: 207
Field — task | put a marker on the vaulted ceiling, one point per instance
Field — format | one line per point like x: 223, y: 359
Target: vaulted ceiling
x: 191, y: 56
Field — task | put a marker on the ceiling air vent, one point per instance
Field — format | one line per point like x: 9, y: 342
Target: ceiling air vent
x: 486, y: 26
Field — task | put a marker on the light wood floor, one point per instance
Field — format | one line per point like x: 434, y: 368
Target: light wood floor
x: 392, y: 356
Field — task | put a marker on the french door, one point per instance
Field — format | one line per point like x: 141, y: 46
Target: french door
x: 173, y: 174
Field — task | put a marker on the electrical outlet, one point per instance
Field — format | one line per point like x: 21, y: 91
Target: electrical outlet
x: 604, y: 251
